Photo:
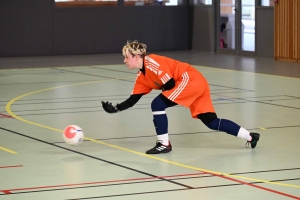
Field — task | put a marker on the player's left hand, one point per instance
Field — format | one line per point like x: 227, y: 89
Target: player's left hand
x: 108, y: 107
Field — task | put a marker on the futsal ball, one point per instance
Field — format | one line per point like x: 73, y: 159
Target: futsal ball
x: 73, y: 135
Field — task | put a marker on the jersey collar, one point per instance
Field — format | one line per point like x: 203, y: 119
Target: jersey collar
x: 143, y: 68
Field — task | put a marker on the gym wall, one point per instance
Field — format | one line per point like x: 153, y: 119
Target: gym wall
x: 38, y: 28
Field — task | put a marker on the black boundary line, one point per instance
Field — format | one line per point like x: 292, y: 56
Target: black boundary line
x: 160, y: 191
x: 93, y: 110
x: 96, y: 158
x: 231, y: 87
x: 81, y: 111
x: 230, y: 92
x: 272, y: 170
x: 253, y: 172
x: 112, y: 99
x: 158, y: 180
x: 132, y: 81
x: 253, y: 101
x: 147, y: 97
x: 282, y: 95
x: 275, y: 127
x: 272, y: 104
x: 138, y: 182
x: 82, y: 187
x: 98, y: 99
x: 91, y: 74
x: 72, y: 108
x: 242, y: 90
x: 219, y: 93
x: 247, y: 101
x: 292, y: 96
x: 20, y: 104
x: 88, y: 111
x: 126, y: 95
x: 169, y: 180
x: 262, y: 102
x: 222, y: 89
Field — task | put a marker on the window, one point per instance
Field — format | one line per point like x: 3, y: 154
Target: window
x: 201, y: 2
x: 153, y: 2
x: 267, y: 3
x: 75, y: 3
x: 72, y: 3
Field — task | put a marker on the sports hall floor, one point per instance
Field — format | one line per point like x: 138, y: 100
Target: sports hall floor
x: 40, y: 96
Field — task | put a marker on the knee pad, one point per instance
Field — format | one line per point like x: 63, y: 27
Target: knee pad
x: 158, y: 104
x: 215, y: 124
x: 206, y: 118
x: 160, y: 119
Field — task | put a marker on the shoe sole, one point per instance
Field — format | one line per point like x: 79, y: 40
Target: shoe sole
x: 160, y: 152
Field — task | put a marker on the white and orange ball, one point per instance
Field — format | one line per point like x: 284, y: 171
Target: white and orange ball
x: 73, y: 135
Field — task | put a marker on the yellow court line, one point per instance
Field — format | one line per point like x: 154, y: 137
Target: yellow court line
x: 8, y: 109
x: 13, y: 115
x: 8, y: 150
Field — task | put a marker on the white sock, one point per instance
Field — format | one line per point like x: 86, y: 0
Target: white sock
x: 243, y: 133
x: 164, y: 138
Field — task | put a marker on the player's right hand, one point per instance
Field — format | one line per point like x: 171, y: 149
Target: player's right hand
x: 108, y: 107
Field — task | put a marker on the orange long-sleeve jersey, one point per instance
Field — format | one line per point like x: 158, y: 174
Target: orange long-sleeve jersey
x: 191, y: 88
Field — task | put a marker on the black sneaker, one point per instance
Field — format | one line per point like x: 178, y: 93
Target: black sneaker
x: 160, y: 148
x: 253, y: 142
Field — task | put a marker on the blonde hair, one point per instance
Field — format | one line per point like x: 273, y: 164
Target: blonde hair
x: 134, y: 48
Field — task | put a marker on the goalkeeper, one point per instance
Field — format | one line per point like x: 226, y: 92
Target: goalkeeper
x: 180, y: 84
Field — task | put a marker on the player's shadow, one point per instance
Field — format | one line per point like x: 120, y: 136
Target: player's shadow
x: 73, y: 159
x: 68, y: 157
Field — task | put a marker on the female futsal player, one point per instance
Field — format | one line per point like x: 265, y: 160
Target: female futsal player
x: 180, y: 84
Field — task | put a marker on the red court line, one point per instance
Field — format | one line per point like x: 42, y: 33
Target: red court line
x: 9, y: 191
x: 11, y: 166
x: 253, y: 185
x: 6, y: 116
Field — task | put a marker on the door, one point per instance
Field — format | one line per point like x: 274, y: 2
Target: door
x: 236, y: 22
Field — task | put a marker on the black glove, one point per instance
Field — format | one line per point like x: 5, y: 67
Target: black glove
x: 108, y: 107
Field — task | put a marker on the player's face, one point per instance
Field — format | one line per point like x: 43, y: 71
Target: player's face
x: 131, y: 61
